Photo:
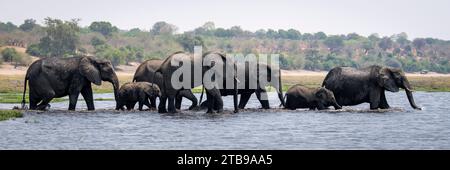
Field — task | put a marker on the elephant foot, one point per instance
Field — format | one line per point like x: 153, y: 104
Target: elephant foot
x: 162, y: 111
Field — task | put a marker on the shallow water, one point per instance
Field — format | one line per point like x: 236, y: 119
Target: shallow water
x: 352, y: 128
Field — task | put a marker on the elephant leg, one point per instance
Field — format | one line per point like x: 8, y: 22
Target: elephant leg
x: 171, y: 104
x: 263, y: 99
x: 86, y: 92
x: 34, y: 100
x: 162, y: 104
x: 216, y: 100
x: 383, y: 102
x: 178, y: 100
x: 45, y: 101
x: 141, y: 98
x: 244, y: 99
x: 141, y: 105
x: 147, y: 104
x: 73, y: 98
x: 153, y: 102
x: 374, y: 100
x: 190, y: 96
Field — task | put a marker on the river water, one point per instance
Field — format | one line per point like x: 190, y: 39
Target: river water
x: 351, y: 128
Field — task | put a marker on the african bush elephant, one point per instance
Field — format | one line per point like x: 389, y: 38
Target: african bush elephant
x: 57, y: 77
x: 260, y: 90
x: 355, y: 86
x: 299, y: 96
x: 146, y: 72
x: 208, y: 63
x: 130, y: 93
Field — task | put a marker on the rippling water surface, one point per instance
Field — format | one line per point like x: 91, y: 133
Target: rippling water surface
x: 352, y: 128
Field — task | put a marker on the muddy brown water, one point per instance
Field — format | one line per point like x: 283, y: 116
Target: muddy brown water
x: 351, y: 128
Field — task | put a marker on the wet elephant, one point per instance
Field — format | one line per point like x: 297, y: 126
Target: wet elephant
x: 209, y: 63
x: 367, y: 85
x: 131, y: 93
x: 299, y: 96
x: 146, y: 72
x: 58, y: 77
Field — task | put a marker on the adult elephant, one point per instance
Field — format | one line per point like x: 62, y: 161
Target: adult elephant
x: 208, y: 64
x: 57, y: 77
x: 146, y: 72
x: 355, y: 86
x: 260, y: 91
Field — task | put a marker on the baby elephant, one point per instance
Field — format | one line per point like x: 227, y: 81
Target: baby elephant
x: 299, y: 96
x: 130, y: 93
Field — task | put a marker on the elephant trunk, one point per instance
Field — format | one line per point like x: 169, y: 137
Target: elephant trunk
x: 115, y: 83
x: 411, y: 100
x: 409, y: 91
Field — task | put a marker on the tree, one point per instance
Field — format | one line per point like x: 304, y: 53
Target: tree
x: 34, y: 50
x: 353, y: 36
x: 320, y: 36
x: 7, y: 27
x: 385, y: 43
x: 188, y: 42
x: 9, y: 54
x: 294, y: 34
x: 104, y: 28
x: 374, y: 37
x: 61, y: 37
x: 334, y: 43
x: 163, y: 28
x: 419, y: 43
x: 96, y: 41
x: 401, y: 38
x: 28, y: 25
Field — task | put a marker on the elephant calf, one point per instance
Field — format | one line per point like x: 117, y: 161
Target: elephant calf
x: 299, y: 96
x: 130, y: 93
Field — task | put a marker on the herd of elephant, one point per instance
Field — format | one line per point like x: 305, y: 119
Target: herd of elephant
x: 343, y: 86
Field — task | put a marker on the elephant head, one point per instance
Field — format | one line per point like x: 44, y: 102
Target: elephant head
x: 326, y: 98
x: 98, y: 70
x: 153, y: 90
x: 392, y: 79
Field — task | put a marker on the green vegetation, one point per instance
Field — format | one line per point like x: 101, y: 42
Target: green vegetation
x: 11, y: 55
x: 10, y: 114
x: 310, y: 51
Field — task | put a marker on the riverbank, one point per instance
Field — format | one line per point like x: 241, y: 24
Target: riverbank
x: 10, y: 114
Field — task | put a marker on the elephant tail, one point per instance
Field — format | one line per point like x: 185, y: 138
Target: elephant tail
x: 24, y: 91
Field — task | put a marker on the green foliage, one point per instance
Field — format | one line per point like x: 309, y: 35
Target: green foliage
x: 7, y: 27
x: 10, y: 114
x: 34, y: 50
x: 9, y: 54
x: 104, y: 28
x: 334, y: 42
x: 62, y: 38
x: 28, y: 25
x: 163, y: 28
x: 188, y: 42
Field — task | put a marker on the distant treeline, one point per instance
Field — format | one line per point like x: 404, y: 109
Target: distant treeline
x: 311, y: 51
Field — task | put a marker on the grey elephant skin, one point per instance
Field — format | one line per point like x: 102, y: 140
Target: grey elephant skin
x: 58, y: 77
x: 299, y: 96
x: 168, y: 68
x: 260, y: 90
x: 146, y: 72
x: 131, y: 93
x: 367, y: 85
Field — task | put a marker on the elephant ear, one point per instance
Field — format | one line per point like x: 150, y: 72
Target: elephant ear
x: 91, y: 72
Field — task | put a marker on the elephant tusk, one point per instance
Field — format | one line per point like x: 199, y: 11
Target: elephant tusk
x: 237, y: 80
